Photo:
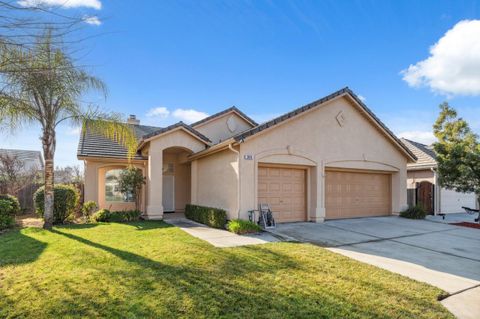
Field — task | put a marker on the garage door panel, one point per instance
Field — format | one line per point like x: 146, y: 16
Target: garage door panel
x: 284, y: 191
x: 356, y: 194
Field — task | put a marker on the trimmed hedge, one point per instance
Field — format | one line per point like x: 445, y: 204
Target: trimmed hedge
x: 415, y: 212
x: 7, y: 214
x: 104, y: 215
x: 240, y: 226
x: 13, y: 201
x: 65, y: 201
x: 213, y: 217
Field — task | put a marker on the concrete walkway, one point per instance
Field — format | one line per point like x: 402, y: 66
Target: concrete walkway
x: 441, y: 255
x: 218, y: 237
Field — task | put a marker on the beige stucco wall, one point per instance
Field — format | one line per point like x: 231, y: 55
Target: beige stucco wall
x: 414, y: 177
x: 175, y: 138
x: 217, y: 129
x: 215, y: 180
x: 95, y: 171
x: 317, y: 140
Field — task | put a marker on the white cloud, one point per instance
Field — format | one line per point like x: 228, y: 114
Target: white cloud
x: 93, y: 20
x: 163, y: 116
x: 158, y: 112
x: 362, y: 98
x: 95, y: 4
x: 189, y: 115
x: 453, y: 67
x: 424, y: 137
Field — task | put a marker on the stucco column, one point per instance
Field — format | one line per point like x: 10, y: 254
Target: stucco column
x: 154, y: 186
x: 320, y: 185
x: 193, y: 182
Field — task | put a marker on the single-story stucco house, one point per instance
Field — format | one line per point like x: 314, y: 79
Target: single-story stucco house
x: 423, y: 186
x: 332, y: 158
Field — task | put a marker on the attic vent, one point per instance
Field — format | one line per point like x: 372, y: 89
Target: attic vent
x: 231, y: 124
x: 168, y: 168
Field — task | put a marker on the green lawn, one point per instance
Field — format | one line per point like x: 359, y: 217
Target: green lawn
x: 150, y: 269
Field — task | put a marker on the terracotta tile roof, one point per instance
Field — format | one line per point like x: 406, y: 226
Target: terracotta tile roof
x: 425, y: 154
x: 94, y: 145
x: 314, y: 104
x: 233, y: 108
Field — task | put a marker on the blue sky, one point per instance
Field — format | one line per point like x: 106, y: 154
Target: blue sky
x: 179, y: 60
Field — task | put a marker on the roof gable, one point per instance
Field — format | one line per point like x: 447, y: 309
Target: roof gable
x: 426, y: 156
x: 232, y: 109
x: 179, y: 125
x: 343, y: 92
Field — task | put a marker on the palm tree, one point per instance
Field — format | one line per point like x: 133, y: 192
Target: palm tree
x: 43, y: 85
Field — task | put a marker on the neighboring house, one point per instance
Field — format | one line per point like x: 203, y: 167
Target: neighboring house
x: 332, y: 158
x: 31, y: 160
x: 23, y: 166
x: 423, y: 187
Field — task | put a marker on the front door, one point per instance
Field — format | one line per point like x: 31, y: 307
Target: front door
x: 168, y: 193
x: 425, y: 196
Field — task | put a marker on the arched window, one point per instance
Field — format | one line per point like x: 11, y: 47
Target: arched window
x: 112, y: 187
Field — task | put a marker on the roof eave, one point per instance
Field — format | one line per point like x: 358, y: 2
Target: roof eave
x: 306, y: 108
x: 229, y: 110
x: 179, y: 126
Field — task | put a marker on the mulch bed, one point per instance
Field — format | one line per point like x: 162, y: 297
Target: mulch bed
x: 467, y: 224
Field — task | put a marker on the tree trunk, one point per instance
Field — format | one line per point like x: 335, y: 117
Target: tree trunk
x: 48, y: 141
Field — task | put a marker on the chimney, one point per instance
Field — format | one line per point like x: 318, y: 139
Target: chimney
x: 132, y: 119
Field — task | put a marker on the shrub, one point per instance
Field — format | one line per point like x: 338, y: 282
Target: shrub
x: 13, y: 201
x: 88, y: 209
x: 213, y: 217
x: 104, y: 215
x: 65, y: 201
x: 415, y: 212
x: 7, y: 214
x: 125, y: 215
x: 240, y: 226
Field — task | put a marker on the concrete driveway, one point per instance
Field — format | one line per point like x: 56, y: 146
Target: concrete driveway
x: 439, y: 254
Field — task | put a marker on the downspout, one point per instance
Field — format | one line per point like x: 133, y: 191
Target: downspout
x: 230, y: 147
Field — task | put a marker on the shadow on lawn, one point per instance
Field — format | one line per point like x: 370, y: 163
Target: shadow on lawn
x: 251, y: 281
x: 17, y: 248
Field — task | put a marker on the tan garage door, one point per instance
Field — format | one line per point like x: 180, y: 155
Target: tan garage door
x: 284, y: 190
x: 356, y: 194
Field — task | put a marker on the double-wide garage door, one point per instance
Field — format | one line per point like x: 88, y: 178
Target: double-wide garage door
x: 356, y: 194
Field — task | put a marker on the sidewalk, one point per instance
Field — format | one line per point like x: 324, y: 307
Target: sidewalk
x: 218, y: 237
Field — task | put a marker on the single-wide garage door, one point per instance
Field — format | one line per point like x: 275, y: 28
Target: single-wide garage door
x: 452, y: 201
x: 284, y: 190
x: 356, y: 194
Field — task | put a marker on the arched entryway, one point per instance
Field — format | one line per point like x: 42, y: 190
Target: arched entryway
x: 176, y: 178
x: 425, y: 196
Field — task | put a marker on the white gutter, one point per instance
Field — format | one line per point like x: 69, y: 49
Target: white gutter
x: 238, y: 179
